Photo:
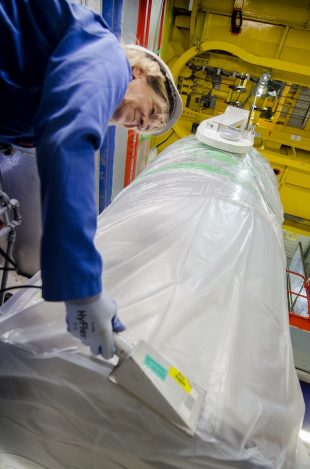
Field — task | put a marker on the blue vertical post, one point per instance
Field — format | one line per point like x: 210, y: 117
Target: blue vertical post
x: 112, y: 13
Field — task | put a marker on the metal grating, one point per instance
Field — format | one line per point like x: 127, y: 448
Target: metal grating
x: 301, y: 111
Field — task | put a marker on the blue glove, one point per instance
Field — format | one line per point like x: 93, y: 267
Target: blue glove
x: 93, y: 320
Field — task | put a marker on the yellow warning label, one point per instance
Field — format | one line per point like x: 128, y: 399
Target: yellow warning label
x: 180, y: 379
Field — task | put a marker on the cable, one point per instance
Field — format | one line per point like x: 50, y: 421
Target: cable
x: 6, y: 257
x: 164, y: 141
x: 19, y: 286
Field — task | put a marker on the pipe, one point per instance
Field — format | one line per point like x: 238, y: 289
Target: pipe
x: 9, y: 252
x: 10, y: 231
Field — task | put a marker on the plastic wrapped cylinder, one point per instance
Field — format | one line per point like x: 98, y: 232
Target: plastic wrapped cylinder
x: 193, y: 255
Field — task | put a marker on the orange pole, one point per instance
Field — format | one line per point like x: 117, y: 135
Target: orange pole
x: 130, y: 156
x: 142, y: 37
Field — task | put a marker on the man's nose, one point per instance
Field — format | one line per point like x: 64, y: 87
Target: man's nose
x: 143, y: 122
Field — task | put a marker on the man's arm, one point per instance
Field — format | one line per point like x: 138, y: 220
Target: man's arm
x: 86, y: 80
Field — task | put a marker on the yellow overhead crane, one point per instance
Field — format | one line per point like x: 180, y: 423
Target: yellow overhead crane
x: 253, y: 55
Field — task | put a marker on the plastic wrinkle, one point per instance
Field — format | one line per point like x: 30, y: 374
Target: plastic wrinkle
x: 193, y: 255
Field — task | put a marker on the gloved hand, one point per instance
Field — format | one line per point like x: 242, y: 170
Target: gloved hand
x: 92, y: 320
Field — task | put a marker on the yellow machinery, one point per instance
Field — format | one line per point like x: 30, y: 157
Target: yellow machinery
x: 253, y: 55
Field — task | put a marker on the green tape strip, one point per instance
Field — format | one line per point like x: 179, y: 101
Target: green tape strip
x: 191, y: 165
x: 155, y: 367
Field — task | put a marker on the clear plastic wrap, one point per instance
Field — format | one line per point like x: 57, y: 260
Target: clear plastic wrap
x: 193, y: 255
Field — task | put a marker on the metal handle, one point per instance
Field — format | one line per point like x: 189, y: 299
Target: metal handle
x: 122, y: 347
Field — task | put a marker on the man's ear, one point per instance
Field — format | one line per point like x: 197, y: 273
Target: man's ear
x: 137, y: 72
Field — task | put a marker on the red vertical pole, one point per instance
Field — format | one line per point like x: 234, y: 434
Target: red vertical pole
x: 143, y: 4
x: 130, y: 157
x: 142, y: 37
x: 147, y: 26
x: 161, y: 24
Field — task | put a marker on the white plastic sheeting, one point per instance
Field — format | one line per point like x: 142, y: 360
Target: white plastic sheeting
x: 194, y: 257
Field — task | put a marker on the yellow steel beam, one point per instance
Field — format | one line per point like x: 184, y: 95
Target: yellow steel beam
x: 280, y: 105
x: 299, y: 228
x: 268, y: 62
x: 282, y: 160
x: 282, y: 178
x: 291, y: 139
x: 168, y: 24
x: 283, y: 39
x: 205, y: 27
x: 192, y: 32
x: 303, y: 71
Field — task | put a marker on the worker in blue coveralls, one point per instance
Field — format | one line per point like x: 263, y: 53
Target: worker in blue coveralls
x: 64, y: 78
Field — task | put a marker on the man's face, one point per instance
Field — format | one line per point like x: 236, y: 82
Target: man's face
x: 139, y: 107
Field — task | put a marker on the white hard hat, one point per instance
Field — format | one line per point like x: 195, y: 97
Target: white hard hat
x: 175, y: 101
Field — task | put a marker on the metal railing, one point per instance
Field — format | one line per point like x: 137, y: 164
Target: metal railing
x: 298, y: 296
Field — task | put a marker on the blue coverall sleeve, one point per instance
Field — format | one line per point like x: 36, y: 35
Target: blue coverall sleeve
x: 86, y: 79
